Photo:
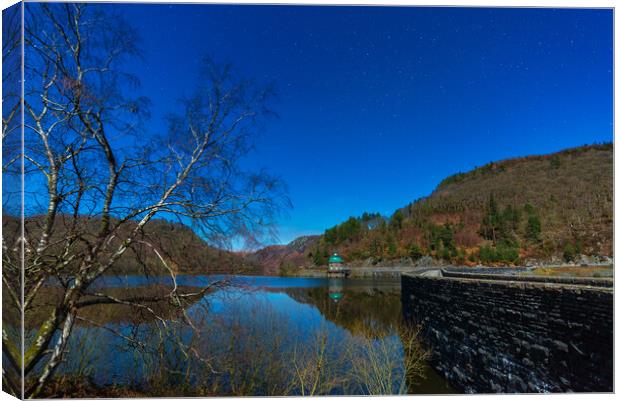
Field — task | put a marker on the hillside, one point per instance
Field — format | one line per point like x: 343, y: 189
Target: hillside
x: 277, y: 259
x: 184, y: 250
x: 539, y: 208
x: 550, y: 208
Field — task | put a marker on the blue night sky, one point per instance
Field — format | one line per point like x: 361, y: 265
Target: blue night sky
x: 377, y: 105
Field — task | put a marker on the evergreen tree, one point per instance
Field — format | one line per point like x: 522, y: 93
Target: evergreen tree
x: 446, y: 235
x: 511, y: 217
x: 490, y: 222
x: 533, y: 229
x: 529, y: 208
x: 569, y: 252
x: 508, y: 222
x: 391, y: 245
x: 320, y: 256
x: 396, y: 221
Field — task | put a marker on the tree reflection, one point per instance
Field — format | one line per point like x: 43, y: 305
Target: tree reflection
x: 255, y: 345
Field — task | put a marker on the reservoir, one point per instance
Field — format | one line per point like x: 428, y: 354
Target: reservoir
x: 254, y: 335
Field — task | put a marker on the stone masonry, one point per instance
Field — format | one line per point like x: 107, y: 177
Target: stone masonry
x: 493, y: 335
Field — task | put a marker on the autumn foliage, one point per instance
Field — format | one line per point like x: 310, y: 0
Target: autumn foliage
x: 533, y: 207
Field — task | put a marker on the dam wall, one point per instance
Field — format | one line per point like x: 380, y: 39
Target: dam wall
x: 495, y: 334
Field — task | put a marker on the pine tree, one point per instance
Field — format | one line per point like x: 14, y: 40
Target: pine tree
x: 490, y: 222
x: 396, y: 221
x: 533, y: 229
x: 569, y: 252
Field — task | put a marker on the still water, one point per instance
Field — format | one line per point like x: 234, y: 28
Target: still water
x: 256, y: 336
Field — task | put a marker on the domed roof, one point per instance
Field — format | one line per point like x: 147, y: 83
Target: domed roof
x: 335, y: 296
x: 335, y: 258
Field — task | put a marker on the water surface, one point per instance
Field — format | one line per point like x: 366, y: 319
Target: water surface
x: 257, y: 333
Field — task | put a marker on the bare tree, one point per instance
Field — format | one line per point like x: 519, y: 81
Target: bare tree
x: 95, y: 179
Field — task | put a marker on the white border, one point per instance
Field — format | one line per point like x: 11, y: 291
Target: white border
x: 479, y: 3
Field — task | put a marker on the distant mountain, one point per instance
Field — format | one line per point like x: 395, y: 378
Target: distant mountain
x: 275, y: 259
x: 553, y: 207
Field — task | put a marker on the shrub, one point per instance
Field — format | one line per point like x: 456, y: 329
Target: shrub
x: 501, y: 253
x: 287, y: 268
x: 569, y: 252
x: 415, y: 252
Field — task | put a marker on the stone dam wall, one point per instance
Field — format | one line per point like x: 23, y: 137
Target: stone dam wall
x: 490, y: 334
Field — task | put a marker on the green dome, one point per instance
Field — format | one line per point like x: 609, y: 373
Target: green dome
x: 335, y: 258
x: 335, y: 295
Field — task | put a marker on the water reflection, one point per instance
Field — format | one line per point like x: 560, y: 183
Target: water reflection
x: 335, y: 286
x: 260, y: 336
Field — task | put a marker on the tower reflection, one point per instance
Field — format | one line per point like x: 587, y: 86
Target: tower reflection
x: 335, y: 288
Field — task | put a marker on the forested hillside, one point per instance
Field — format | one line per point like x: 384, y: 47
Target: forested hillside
x: 537, y: 208
x: 178, y: 244
x: 556, y: 206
